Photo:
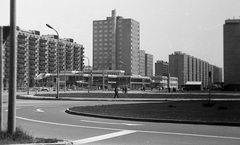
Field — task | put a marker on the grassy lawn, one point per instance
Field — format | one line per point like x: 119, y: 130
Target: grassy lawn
x: 222, y: 111
x: 22, y: 137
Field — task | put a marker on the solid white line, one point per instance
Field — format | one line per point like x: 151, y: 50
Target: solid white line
x: 69, y: 125
x: 141, y: 131
x: 102, y: 137
x: 129, y: 124
x: 194, y: 135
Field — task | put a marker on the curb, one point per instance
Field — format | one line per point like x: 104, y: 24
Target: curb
x: 58, y: 143
x: 153, y: 120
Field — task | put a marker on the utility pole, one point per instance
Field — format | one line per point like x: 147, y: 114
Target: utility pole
x: 1, y: 79
x: 12, y: 70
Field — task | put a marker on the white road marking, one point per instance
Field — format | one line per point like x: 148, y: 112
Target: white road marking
x: 141, y: 131
x: 69, y: 125
x: 128, y: 124
x: 16, y: 109
x: 103, y: 137
x: 39, y: 110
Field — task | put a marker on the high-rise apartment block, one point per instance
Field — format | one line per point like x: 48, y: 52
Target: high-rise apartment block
x: 38, y: 54
x: 232, y: 54
x: 161, y: 68
x: 142, y: 62
x: 148, y: 64
x: 189, y: 68
x: 116, y: 44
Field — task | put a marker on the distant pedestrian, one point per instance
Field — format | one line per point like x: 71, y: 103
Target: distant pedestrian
x: 169, y: 89
x: 125, y: 89
x: 144, y: 88
x: 116, y: 92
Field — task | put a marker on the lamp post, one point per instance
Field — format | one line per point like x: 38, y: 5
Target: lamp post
x: 89, y: 81
x: 125, y: 72
x: 65, y: 68
x: 13, y: 70
x: 57, y: 61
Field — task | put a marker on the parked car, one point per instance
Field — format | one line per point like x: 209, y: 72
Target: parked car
x: 45, y: 89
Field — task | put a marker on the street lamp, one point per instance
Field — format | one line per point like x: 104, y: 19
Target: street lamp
x: 57, y: 61
x: 125, y: 72
x: 89, y: 81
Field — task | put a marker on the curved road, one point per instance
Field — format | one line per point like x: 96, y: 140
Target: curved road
x: 47, y: 118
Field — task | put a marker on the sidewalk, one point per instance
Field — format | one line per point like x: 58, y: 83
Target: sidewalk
x: 45, y: 97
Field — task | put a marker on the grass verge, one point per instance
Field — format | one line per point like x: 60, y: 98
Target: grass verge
x: 22, y: 137
x: 221, y: 111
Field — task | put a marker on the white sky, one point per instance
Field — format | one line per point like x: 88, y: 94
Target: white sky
x: 194, y: 27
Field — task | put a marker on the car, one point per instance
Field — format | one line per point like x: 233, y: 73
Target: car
x: 45, y: 89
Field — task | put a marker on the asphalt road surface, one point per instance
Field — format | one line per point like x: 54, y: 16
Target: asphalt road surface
x: 47, y: 118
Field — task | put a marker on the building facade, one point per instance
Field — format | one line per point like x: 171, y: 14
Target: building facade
x: 148, y: 65
x: 38, y: 54
x: 142, y: 62
x: 189, y: 68
x: 116, y: 44
x: 231, y: 54
x: 161, y: 68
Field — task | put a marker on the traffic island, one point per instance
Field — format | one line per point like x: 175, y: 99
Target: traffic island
x: 225, y: 113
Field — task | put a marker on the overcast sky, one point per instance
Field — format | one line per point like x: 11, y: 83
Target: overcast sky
x: 194, y: 27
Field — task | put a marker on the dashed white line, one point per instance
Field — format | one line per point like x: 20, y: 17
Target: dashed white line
x: 103, y: 137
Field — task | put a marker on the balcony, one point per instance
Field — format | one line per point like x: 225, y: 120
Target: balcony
x: 32, y: 47
x: 22, y: 35
x: 32, y: 43
x: 21, y: 51
x: 42, y: 59
x: 20, y: 56
x: 69, y: 44
x: 76, y: 55
x: 52, y: 50
x: 52, y: 46
x: 33, y: 37
x: 52, y: 59
x: 43, y: 45
x: 51, y: 42
x: 32, y: 52
x: 42, y: 49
